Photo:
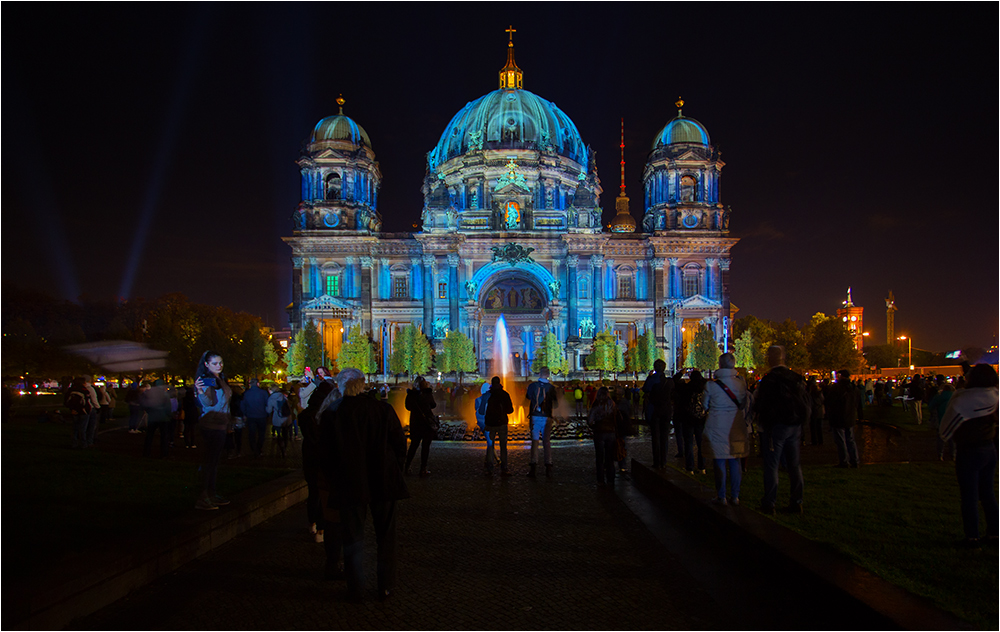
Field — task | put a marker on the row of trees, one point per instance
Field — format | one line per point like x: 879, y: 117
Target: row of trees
x: 37, y: 327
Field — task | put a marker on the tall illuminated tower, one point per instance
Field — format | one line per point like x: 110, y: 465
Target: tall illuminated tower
x: 890, y: 310
x: 852, y: 315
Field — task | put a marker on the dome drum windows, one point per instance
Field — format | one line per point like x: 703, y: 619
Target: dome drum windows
x: 333, y: 186
x: 691, y: 280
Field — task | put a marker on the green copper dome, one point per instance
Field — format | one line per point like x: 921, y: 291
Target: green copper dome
x: 505, y: 119
x: 682, y: 130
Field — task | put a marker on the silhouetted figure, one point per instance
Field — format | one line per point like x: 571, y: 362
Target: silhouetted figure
x: 843, y: 409
x: 423, y: 423
x: 659, y: 389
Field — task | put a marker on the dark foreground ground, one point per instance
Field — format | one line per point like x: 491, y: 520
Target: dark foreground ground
x: 490, y: 553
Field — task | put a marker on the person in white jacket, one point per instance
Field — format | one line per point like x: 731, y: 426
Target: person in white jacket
x: 725, y: 396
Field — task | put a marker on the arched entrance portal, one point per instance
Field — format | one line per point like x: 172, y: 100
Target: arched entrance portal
x: 520, y: 297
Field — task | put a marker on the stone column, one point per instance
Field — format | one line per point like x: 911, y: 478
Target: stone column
x: 710, y: 269
x: 572, y: 297
x: 596, y: 262
x: 659, y: 298
x: 610, y: 289
x: 453, y: 290
x: 529, y: 349
x: 366, y: 292
x: 416, y: 280
x: 296, y: 293
x: 384, y: 279
x: 724, y: 296
x: 349, y: 277
x: 672, y: 282
x: 429, y: 263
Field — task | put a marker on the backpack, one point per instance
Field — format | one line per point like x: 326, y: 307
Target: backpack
x: 284, y: 411
x: 788, y: 404
x: 483, y: 402
x: 578, y: 394
x: 542, y: 394
x: 696, y: 407
x: 77, y: 403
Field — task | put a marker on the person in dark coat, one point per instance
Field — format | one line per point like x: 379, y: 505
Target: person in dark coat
x: 659, y: 411
x: 843, y: 409
x: 423, y: 423
x: 498, y: 406
x: 311, y: 459
x: 816, y: 398
x: 363, y: 449
x: 156, y: 405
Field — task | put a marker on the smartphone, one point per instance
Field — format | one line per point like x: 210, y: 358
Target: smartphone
x: 210, y: 382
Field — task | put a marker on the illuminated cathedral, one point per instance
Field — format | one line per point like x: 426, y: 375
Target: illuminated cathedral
x: 511, y: 224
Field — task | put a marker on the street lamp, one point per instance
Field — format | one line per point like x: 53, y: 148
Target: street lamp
x: 909, y: 350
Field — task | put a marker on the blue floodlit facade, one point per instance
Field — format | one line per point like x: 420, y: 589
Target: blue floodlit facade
x: 511, y: 224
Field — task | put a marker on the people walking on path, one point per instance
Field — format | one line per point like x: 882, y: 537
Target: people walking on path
x: 844, y: 409
x: 971, y: 422
x: 781, y: 406
x: 364, y: 446
x: 725, y: 426
x: 498, y: 406
x: 214, y: 395
x: 658, y: 389
x: 542, y: 397
x: 423, y: 423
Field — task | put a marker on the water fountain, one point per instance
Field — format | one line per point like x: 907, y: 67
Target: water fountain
x: 503, y: 366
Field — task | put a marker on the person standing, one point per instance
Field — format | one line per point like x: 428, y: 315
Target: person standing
x: 280, y: 411
x: 134, y: 408
x: 423, y: 423
x: 725, y: 398
x: 480, y: 404
x: 971, y: 422
x: 916, y: 394
x: 311, y: 457
x: 542, y: 397
x: 214, y: 395
x: 77, y: 400
x: 578, y: 397
x: 818, y: 413
x: 156, y: 404
x: 938, y: 406
x: 843, y: 411
x: 781, y: 406
x: 255, y: 411
x: 689, y: 410
x: 658, y: 389
x: 94, y: 416
x: 604, y: 422
x: 363, y: 448
x: 498, y: 406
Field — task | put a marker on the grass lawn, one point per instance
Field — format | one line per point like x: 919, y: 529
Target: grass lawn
x: 58, y: 501
x: 898, y: 520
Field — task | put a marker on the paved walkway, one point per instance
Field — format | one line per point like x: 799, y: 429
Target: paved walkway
x: 491, y: 553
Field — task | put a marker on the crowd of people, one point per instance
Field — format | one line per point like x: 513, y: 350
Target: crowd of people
x: 355, y: 455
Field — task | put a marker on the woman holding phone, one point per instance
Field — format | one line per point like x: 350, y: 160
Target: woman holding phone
x: 214, y: 396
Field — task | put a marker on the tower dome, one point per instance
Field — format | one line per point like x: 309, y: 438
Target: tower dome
x: 340, y: 128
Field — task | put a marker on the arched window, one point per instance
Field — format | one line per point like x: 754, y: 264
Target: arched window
x: 333, y: 186
x: 626, y: 283
x: 688, y: 185
x: 692, y: 280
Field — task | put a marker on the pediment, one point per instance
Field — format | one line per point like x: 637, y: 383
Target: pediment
x: 699, y: 302
x: 326, y: 302
x: 512, y: 188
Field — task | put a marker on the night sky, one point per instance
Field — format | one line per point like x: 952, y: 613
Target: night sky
x: 150, y: 148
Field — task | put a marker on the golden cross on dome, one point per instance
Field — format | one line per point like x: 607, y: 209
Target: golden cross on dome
x: 511, y: 30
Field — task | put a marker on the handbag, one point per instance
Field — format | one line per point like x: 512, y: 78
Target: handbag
x: 739, y: 444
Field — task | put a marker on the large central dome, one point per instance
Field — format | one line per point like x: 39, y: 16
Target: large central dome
x: 509, y: 118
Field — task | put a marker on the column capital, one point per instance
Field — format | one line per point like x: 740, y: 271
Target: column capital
x: 313, y: 261
x: 414, y: 261
x: 572, y: 260
x: 297, y: 262
x: 596, y: 260
x: 383, y: 261
x: 430, y: 260
x: 658, y: 262
x: 453, y: 259
x: 609, y: 262
x: 366, y: 261
x: 673, y: 261
x: 710, y: 261
x: 350, y: 260
x: 724, y: 264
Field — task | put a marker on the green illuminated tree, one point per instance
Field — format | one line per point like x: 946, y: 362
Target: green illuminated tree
x: 607, y: 354
x: 704, y: 353
x: 306, y: 350
x: 358, y: 353
x: 457, y: 355
x: 641, y: 356
x: 747, y: 351
x: 551, y: 355
x: 411, y: 352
